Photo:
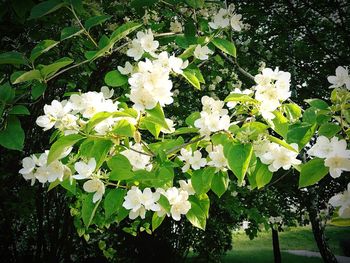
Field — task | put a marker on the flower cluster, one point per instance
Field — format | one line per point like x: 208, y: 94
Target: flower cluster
x: 276, y: 156
x: 37, y: 168
x: 272, y: 88
x: 192, y: 159
x: 151, y: 83
x: 202, y: 52
x: 343, y: 202
x: 334, y: 151
x: 227, y: 17
x: 275, y: 219
x: 69, y: 115
x: 139, y: 202
x: 144, y: 42
x: 137, y: 160
x: 213, y: 117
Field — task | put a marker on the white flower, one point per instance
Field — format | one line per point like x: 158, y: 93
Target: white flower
x: 221, y: 19
x: 95, y: 186
x: 84, y: 170
x: 323, y: 147
x: 187, y: 186
x: 341, y: 78
x: 284, y: 158
x: 127, y: 69
x: 55, y: 171
x: 217, y: 157
x: 337, y: 164
x: 236, y: 23
x: 139, y: 202
x: 343, y: 201
x: 178, y: 201
x: 136, y: 50
x: 28, y: 165
x: 147, y: 41
x: 202, y: 52
x: 176, y: 27
x: 185, y: 157
x: 137, y: 160
x: 197, y: 161
x: 232, y: 104
x: 107, y: 93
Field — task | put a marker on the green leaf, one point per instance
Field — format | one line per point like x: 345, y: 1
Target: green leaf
x: 41, y: 48
x: 280, y: 142
x: 192, y: 118
x: 123, y: 31
x: 88, y: 209
x: 12, y: 136
x: 12, y: 57
x: 38, y: 89
x: 49, y: 70
x: 124, y: 128
x: 96, y: 119
x: 71, y: 187
x: 164, y: 202
x: 279, y: 124
x: 198, y: 213
x: 191, y: 78
x: 312, y: 172
x: 197, y: 72
x: 96, y: 20
x: 318, y: 104
x: 115, y: 79
x: 237, y: 97
x: 156, y: 221
x: 113, y: 201
x: 301, y: 134
x: 69, y: 32
x: 156, y: 115
x: 261, y: 174
x: 185, y: 130
x: 120, y: 168
x: 329, y: 129
x: 220, y: 183
x: 225, y: 46
x: 238, y: 158
x: 96, y: 148
x: 195, y: 3
x: 19, y: 110
x: 293, y: 111
x: 60, y: 146
x: 201, y: 179
x: 27, y: 76
x: 7, y: 93
x: 45, y: 8
x: 188, y: 52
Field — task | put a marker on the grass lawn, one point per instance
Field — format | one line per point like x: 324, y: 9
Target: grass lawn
x: 259, y: 250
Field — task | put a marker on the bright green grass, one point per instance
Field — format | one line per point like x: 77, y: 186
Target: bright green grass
x: 297, y: 238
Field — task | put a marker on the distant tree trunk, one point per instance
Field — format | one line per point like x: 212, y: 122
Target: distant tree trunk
x: 318, y: 228
x: 276, y: 246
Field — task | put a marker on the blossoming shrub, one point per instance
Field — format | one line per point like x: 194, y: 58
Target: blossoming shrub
x: 121, y: 157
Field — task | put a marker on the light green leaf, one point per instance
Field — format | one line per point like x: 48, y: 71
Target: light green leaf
x: 191, y: 78
x: 156, y: 115
x: 27, y: 76
x: 201, y: 179
x: 312, y: 172
x: 49, y: 70
x: 113, y: 201
x: 226, y: 46
x: 164, y: 202
x: 124, y: 128
x: 261, y: 174
x: 338, y: 221
x: 71, y: 187
x: 45, y: 8
x: 115, y: 79
x: 301, y: 134
x: 156, y: 221
x: 123, y: 31
x: 61, y: 144
x: 238, y: 158
x: 96, y: 148
x: 88, y: 209
x: 237, y: 97
x: 318, y: 104
x: 279, y: 124
x: 192, y: 118
x: 19, y: 110
x: 198, y: 213
x: 69, y: 32
x: 220, y: 183
x: 280, y: 142
x: 12, y: 135
x: 41, y: 48
x: 38, y: 89
x: 195, y: 3
x: 120, y: 168
x: 96, y: 20
x: 12, y: 57
x: 293, y: 111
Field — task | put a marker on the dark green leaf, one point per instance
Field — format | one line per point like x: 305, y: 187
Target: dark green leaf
x: 12, y: 136
x: 19, y: 110
x: 45, y: 8
x: 69, y: 32
x: 96, y: 20
x: 201, y: 179
x: 12, y: 57
x: 329, y: 129
x: 41, y: 48
x: 61, y: 145
x: 49, y: 70
x: 27, y: 76
x: 312, y: 172
x: 226, y: 46
x: 318, y: 104
x: 113, y: 201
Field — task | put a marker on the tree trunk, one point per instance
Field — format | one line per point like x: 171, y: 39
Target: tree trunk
x: 318, y: 228
x: 276, y: 246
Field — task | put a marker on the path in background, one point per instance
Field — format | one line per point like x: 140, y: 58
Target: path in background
x: 306, y: 253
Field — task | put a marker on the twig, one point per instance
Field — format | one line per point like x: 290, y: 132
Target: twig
x: 176, y: 148
x: 245, y: 73
x: 66, y: 69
